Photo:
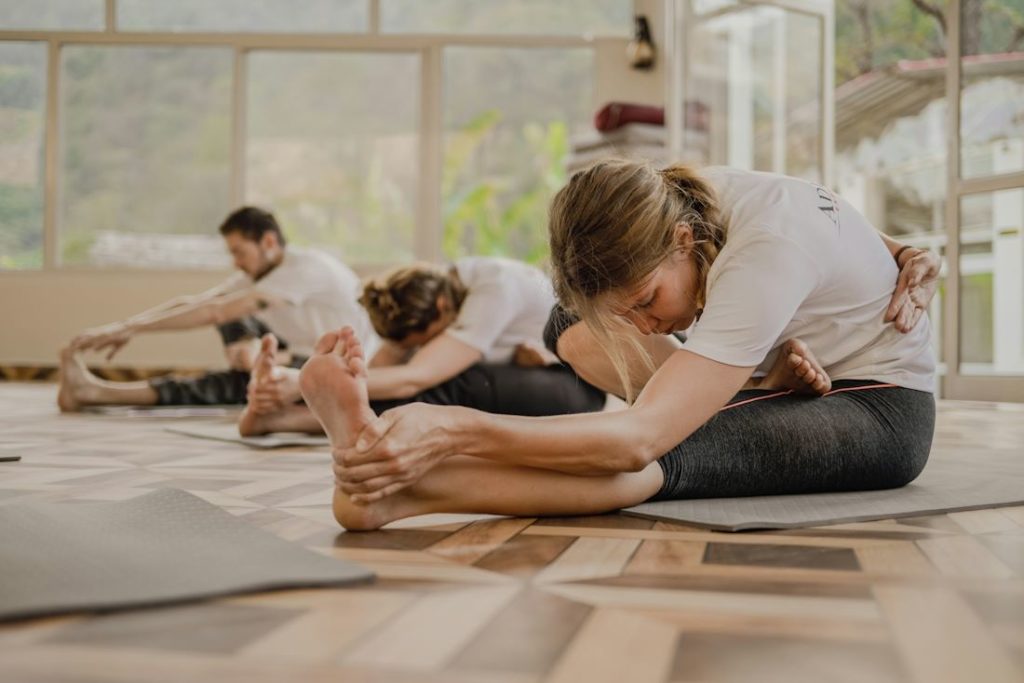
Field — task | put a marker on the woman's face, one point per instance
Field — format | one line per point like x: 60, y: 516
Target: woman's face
x: 446, y: 317
x: 664, y: 301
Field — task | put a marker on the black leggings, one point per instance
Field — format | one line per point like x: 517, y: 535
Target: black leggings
x: 225, y: 387
x: 862, y: 435
x: 507, y: 389
x: 494, y: 388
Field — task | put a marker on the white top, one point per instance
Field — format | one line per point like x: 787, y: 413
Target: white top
x: 800, y: 261
x: 319, y: 294
x: 508, y: 303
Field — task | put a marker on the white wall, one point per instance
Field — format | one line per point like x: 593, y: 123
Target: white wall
x: 43, y: 310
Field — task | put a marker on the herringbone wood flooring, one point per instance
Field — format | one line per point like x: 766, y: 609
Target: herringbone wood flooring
x: 610, y: 598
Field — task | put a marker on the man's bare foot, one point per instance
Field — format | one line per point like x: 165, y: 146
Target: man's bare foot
x: 797, y: 369
x: 252, y: 422
x: 333, y: 383
x: 75, y: 384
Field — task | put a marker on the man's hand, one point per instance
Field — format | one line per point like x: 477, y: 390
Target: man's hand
x: 113, y: 336
x: 916, y: 285
x: 272, y: 391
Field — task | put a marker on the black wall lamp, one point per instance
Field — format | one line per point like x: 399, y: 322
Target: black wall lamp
x: 640, y: 51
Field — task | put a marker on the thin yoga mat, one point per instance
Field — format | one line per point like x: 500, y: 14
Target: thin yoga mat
x: 229, y: 432
x: 951, y: 481
x: 164, y: 547
x: 165, y: 411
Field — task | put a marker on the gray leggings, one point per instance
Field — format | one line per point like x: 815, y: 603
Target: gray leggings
x: 862, y: 435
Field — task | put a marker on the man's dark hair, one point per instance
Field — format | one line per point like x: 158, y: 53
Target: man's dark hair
x: 252, y: 223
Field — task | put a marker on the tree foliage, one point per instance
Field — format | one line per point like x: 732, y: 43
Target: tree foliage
x: 872, y: 34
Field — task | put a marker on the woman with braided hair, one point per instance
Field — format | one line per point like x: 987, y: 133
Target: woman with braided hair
x: 469, y: 335
x: 759, y: 269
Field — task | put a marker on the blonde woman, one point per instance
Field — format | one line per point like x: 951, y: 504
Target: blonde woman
x: 465, y: 335
x: 749, y: 263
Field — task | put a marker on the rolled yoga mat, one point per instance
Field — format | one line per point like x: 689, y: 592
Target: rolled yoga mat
x: 163, y: 547
x: 229, y: 433
x: 963, y: 479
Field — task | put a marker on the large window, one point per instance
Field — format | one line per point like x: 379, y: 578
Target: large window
x: 532, y: 17
x: 335, y: 154
x: 145, y: 150
x: 268, y: 16
x: 22, y: 131
x: 375, y: 129
x: 62, y: 15
x: 943, y: 168
x: 754, y: 93
x: 505, y: 144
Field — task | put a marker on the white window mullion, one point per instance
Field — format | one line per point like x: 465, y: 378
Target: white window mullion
x: 428, y: 220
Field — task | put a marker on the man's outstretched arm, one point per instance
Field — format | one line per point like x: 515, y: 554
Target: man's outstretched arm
x: 187, y: 313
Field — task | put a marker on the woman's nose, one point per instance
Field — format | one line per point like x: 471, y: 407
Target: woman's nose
x: 644, y: 323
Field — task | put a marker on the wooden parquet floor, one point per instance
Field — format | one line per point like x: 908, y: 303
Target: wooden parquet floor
x: 460, y: 598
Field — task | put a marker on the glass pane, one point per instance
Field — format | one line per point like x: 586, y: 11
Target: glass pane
x: 754, y: 90
x: 992, y: 94
x: 505, y: 144
x: 334, y: 154
x: 268, y: 16
x: 531, y: 17
x: 22, y: 134
x: 68, y: 15
x: 145, y: 155
x: 802, y: 38
x: 890, y: 125
x: 992, y: 283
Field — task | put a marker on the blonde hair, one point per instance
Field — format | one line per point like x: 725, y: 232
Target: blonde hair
x: 404, y: 300
x: 612, y: 225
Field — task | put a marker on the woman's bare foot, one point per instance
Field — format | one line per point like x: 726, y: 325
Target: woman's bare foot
x: 797, y: 369
x: 75, y: 384
x: 333, y: 383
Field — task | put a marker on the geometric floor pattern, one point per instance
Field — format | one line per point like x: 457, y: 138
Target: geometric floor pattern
x: 477, y: 598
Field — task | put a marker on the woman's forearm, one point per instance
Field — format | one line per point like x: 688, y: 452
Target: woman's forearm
x: 670, y: 408
x: 584, y: 444
x: 393, y: 382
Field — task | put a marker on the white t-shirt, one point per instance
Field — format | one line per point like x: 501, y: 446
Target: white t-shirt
x: 319, y: 294
x: 508, y: 303
x: 800, y: 261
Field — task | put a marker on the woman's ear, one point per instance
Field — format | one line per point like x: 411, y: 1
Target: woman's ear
x: 684, y: 237
x: 443, y: 304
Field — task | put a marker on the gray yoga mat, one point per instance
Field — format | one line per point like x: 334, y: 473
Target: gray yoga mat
x: 165, y: 411
x: 164, y: 547
x: 951, y: 481
x: 229, y: 432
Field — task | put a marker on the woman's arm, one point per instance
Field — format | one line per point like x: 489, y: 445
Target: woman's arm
x: 396, y: 449
x: 440, y: 359
x: 389, y: 354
